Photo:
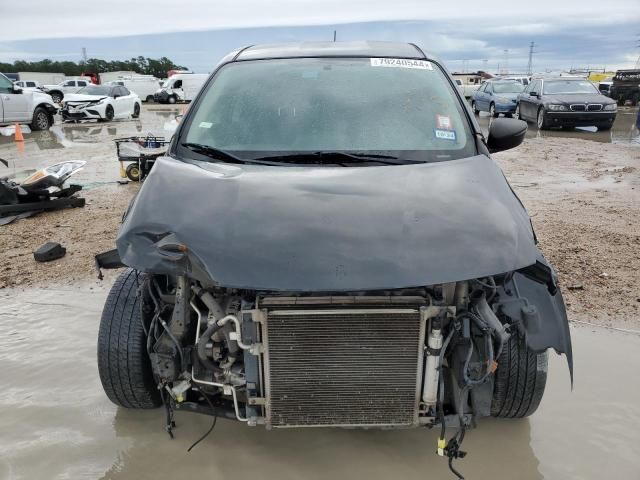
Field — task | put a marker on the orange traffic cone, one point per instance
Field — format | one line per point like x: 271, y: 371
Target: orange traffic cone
x: 19, y: 137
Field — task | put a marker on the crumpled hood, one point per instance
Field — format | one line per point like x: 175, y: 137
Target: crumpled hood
x: 80, y: 97
x: 330, y: 229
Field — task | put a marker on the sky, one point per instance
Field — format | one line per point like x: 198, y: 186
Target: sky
x: 465, y: 34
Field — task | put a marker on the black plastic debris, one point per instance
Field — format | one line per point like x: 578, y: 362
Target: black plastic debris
x: 49, y: 251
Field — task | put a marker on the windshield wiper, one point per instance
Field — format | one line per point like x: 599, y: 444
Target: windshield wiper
x: 218, y: 154
x: 359, y: 157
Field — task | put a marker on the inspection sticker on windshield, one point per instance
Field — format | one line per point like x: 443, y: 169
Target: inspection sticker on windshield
x: 445, y: 134
x: 444, y: 122
x: 401, y: 63
x: 205, y: 125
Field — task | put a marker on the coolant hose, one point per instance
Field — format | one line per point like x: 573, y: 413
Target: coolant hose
x: 202, y: 348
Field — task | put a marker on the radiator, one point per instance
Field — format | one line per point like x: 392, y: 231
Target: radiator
x: 347, y: 367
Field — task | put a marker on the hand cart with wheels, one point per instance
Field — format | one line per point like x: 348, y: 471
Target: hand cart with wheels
x: 138, y: 154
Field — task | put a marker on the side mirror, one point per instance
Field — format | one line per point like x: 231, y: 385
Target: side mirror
x: 505, y: 133
x: 116, y: 95
x: 533, y: 94
x: 16, y: 89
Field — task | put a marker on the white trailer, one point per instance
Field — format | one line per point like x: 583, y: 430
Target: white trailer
x: 43, y: 78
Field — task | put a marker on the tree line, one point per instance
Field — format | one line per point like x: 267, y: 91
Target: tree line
x: 144, y: 65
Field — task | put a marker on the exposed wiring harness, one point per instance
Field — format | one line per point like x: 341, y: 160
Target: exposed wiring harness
x: 451, y: 448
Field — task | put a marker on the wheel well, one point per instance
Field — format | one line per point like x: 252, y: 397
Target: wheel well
x: 47, y: 108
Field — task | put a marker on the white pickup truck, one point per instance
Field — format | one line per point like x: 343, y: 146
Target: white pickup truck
x: 25, y: 106
x: 58, y: 92
x: 28, y: 85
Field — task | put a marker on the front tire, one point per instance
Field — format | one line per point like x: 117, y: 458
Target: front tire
x: 108, y: 114
x: 519, y: 380
x: 136, y: 111
x: 171, y: 99
x: 492, y: 111
x: 123, y: 363
x: 474, y: 108
x: 516, y: 114
x: 542, y: 120
x: 41, y: 119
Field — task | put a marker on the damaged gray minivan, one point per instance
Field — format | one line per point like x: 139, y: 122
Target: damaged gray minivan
x: 328, y: 244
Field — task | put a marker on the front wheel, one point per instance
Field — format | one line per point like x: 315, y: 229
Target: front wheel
x: 123, y: 363
x: 41, y: 119
x: 492, y: 111
x: 136, y: 111
x: 516, y: 114
x: 542, y: 120
x: 519, y: 380
x: 172, y: 99
x: 108, y: 114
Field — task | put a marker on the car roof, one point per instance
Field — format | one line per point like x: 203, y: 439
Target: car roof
x: 331, y: 49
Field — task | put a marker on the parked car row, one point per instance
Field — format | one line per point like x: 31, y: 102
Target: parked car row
x: 32, y: 106
x: 549, y: 102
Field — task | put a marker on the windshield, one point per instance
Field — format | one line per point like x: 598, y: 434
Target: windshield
x: 508, y: 87
x: 95, y: 90
x: 266, y: 108
x: 553, y: 87
x: 165, y: 83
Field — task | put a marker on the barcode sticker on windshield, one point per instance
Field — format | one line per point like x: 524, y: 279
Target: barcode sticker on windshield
x: 445, y: 134
x: 401, y: 63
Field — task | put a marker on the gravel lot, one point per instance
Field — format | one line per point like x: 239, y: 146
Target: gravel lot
x: 583, y: 195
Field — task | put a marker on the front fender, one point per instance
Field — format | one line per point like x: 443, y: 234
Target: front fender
x: 533, y: 301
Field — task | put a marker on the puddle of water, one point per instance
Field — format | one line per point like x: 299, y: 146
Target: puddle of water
x: 56, y: 423
x: 623, y: 131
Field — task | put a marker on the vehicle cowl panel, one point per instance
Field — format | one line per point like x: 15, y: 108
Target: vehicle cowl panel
x: 331, y: 229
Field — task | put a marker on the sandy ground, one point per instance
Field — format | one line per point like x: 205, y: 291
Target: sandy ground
x: 583, y: 196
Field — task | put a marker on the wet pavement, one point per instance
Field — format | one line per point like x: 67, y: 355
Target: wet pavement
x: 89, y: 140
x: 56, y: 423
x: 623, y: 130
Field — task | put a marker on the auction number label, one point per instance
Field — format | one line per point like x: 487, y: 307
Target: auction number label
x: 401, y: 63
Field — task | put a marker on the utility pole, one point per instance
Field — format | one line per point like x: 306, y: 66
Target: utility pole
x: 531, y: 52
x: 84, y: 55
x: 335, y: 34
x: 506, y: 61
